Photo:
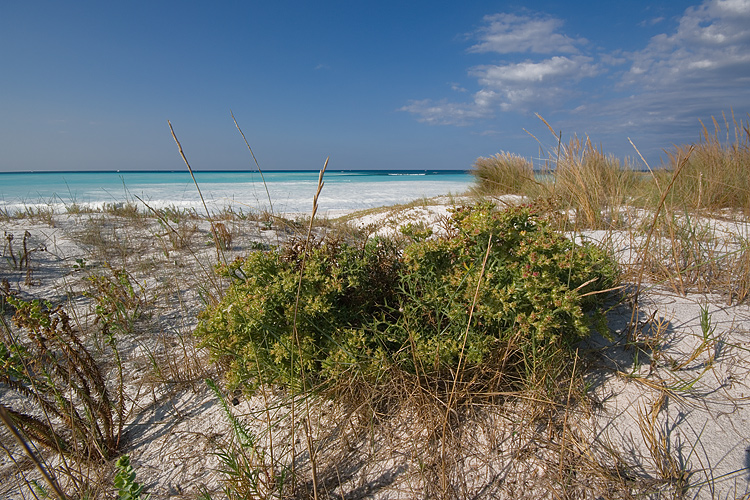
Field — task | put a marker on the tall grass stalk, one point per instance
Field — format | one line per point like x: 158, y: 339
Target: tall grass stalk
x: 270, y: 203
x: 303, y: 378
x: 214, y: 230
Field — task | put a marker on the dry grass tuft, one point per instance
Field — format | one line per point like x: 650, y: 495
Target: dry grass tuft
x: 718, y: 173
x: 504, y: 173
x: 594, y: 186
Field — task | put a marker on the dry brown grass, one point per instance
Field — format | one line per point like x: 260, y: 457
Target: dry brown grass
x: 592, y: 185
x: 504, y: 173
x: 718, y: 173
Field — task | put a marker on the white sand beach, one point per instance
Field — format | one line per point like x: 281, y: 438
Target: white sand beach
x: 667, y: 414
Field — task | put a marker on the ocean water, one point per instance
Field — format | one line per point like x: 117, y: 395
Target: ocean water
x: 290, y: 191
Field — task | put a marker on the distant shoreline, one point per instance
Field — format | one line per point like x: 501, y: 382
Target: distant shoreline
x: 289, y: 191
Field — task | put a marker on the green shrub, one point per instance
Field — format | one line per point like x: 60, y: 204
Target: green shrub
x: 252, y: 328
x: 369, y: 308
x: 529, y: 303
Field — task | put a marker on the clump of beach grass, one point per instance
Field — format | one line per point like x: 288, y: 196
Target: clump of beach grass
x: 503, y: 173
x: 593, y: 185
x: 717, y: 175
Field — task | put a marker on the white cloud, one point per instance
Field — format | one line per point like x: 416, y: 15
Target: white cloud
x: 444, y: 112
x: 698, y: 69
x: 508, y: 87
x: 711, y: 46
x: 517, y: 86
x: 509, y: 33
x: 513, y: 85
x: 528, y: 73
x: 732, y: 7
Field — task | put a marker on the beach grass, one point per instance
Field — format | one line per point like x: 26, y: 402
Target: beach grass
x: 503, y: 173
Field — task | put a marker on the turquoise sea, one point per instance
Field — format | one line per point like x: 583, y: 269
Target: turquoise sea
x: 290, y: 191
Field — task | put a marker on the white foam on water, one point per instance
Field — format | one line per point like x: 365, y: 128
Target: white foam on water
x: 340, y: 193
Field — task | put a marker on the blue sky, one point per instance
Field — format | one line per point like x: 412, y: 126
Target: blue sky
x: 388, y: 84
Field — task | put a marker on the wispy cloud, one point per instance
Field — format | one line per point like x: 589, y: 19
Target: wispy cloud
x: 651, y: 22
x: 699, y: 69
x: 513, y: 86
x: 510, y: 33
x: 457, y: 87
x: 444, y: 112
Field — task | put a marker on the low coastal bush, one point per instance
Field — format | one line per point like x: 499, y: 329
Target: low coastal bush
x: 499, y: 288
x: 343, y: 288
x: 523, y: 305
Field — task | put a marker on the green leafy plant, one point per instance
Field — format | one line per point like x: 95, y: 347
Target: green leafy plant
x: 537, y: 286
x: 248, y: 471
x: 127, y: 487
x: 251, y: 329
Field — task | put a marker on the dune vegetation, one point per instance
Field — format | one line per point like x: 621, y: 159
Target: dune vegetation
x: 474, y: 353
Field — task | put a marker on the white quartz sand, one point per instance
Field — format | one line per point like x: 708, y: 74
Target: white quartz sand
x: 696, y: 390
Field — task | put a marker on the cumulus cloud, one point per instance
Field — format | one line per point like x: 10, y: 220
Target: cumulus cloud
x: 519, y: 85
x: 529, y: 73
x: 510, y: 33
